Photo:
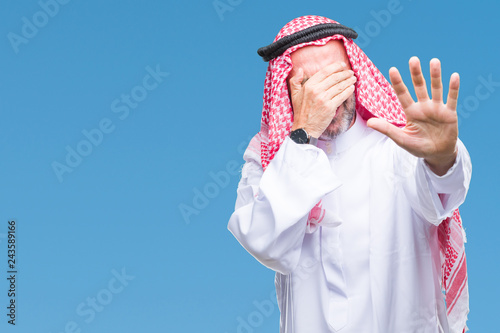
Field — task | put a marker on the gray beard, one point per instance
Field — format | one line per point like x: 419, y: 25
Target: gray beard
x: 341, y: 123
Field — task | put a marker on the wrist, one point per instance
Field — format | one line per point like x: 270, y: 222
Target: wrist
x: 310, y: 131
x: 296, y: 125
x: 441, y: 165
x: 301, y: 136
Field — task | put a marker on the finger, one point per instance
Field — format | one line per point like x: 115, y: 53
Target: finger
x: 327, y: 71
x: 436, y: 83
x: 296, y: 81
x: 337, y: 88
x: 342, y: 97
x: 400, y: 88
x: 384, y: 127
x: 452, y: 99
x: 336, y: 78
x: 418, y: 80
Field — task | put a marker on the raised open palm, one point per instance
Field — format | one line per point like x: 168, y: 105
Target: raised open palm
x: 431, y: 129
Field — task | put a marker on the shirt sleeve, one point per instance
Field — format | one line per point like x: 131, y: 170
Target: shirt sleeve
x: 272, y: 206
x: 434, y: 197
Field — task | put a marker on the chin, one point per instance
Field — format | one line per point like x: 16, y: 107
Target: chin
x: 340, y: 124
x: 331, y: 132
x: 342, y: 121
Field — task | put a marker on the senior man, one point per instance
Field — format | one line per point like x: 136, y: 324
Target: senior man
x: 351, y: 189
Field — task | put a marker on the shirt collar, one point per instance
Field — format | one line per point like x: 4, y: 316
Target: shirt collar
x: 345, y: 140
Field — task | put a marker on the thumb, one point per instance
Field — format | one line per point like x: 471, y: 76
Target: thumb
x: 384, y: 127
x: 296, y: 81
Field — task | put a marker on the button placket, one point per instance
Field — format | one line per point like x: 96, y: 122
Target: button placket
x: 331, y: 256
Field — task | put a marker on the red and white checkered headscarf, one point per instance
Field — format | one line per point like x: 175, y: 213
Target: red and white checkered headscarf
x: 375, y: 97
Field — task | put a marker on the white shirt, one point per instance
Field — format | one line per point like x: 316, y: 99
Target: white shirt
x: 376, y: 269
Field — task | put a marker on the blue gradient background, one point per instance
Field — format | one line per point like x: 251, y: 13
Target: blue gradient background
x: 120, y: 207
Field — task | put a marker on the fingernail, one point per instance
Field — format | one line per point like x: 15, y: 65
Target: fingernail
x: 343, y: 64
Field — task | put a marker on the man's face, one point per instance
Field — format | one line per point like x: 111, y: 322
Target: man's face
x: 312, y: 59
